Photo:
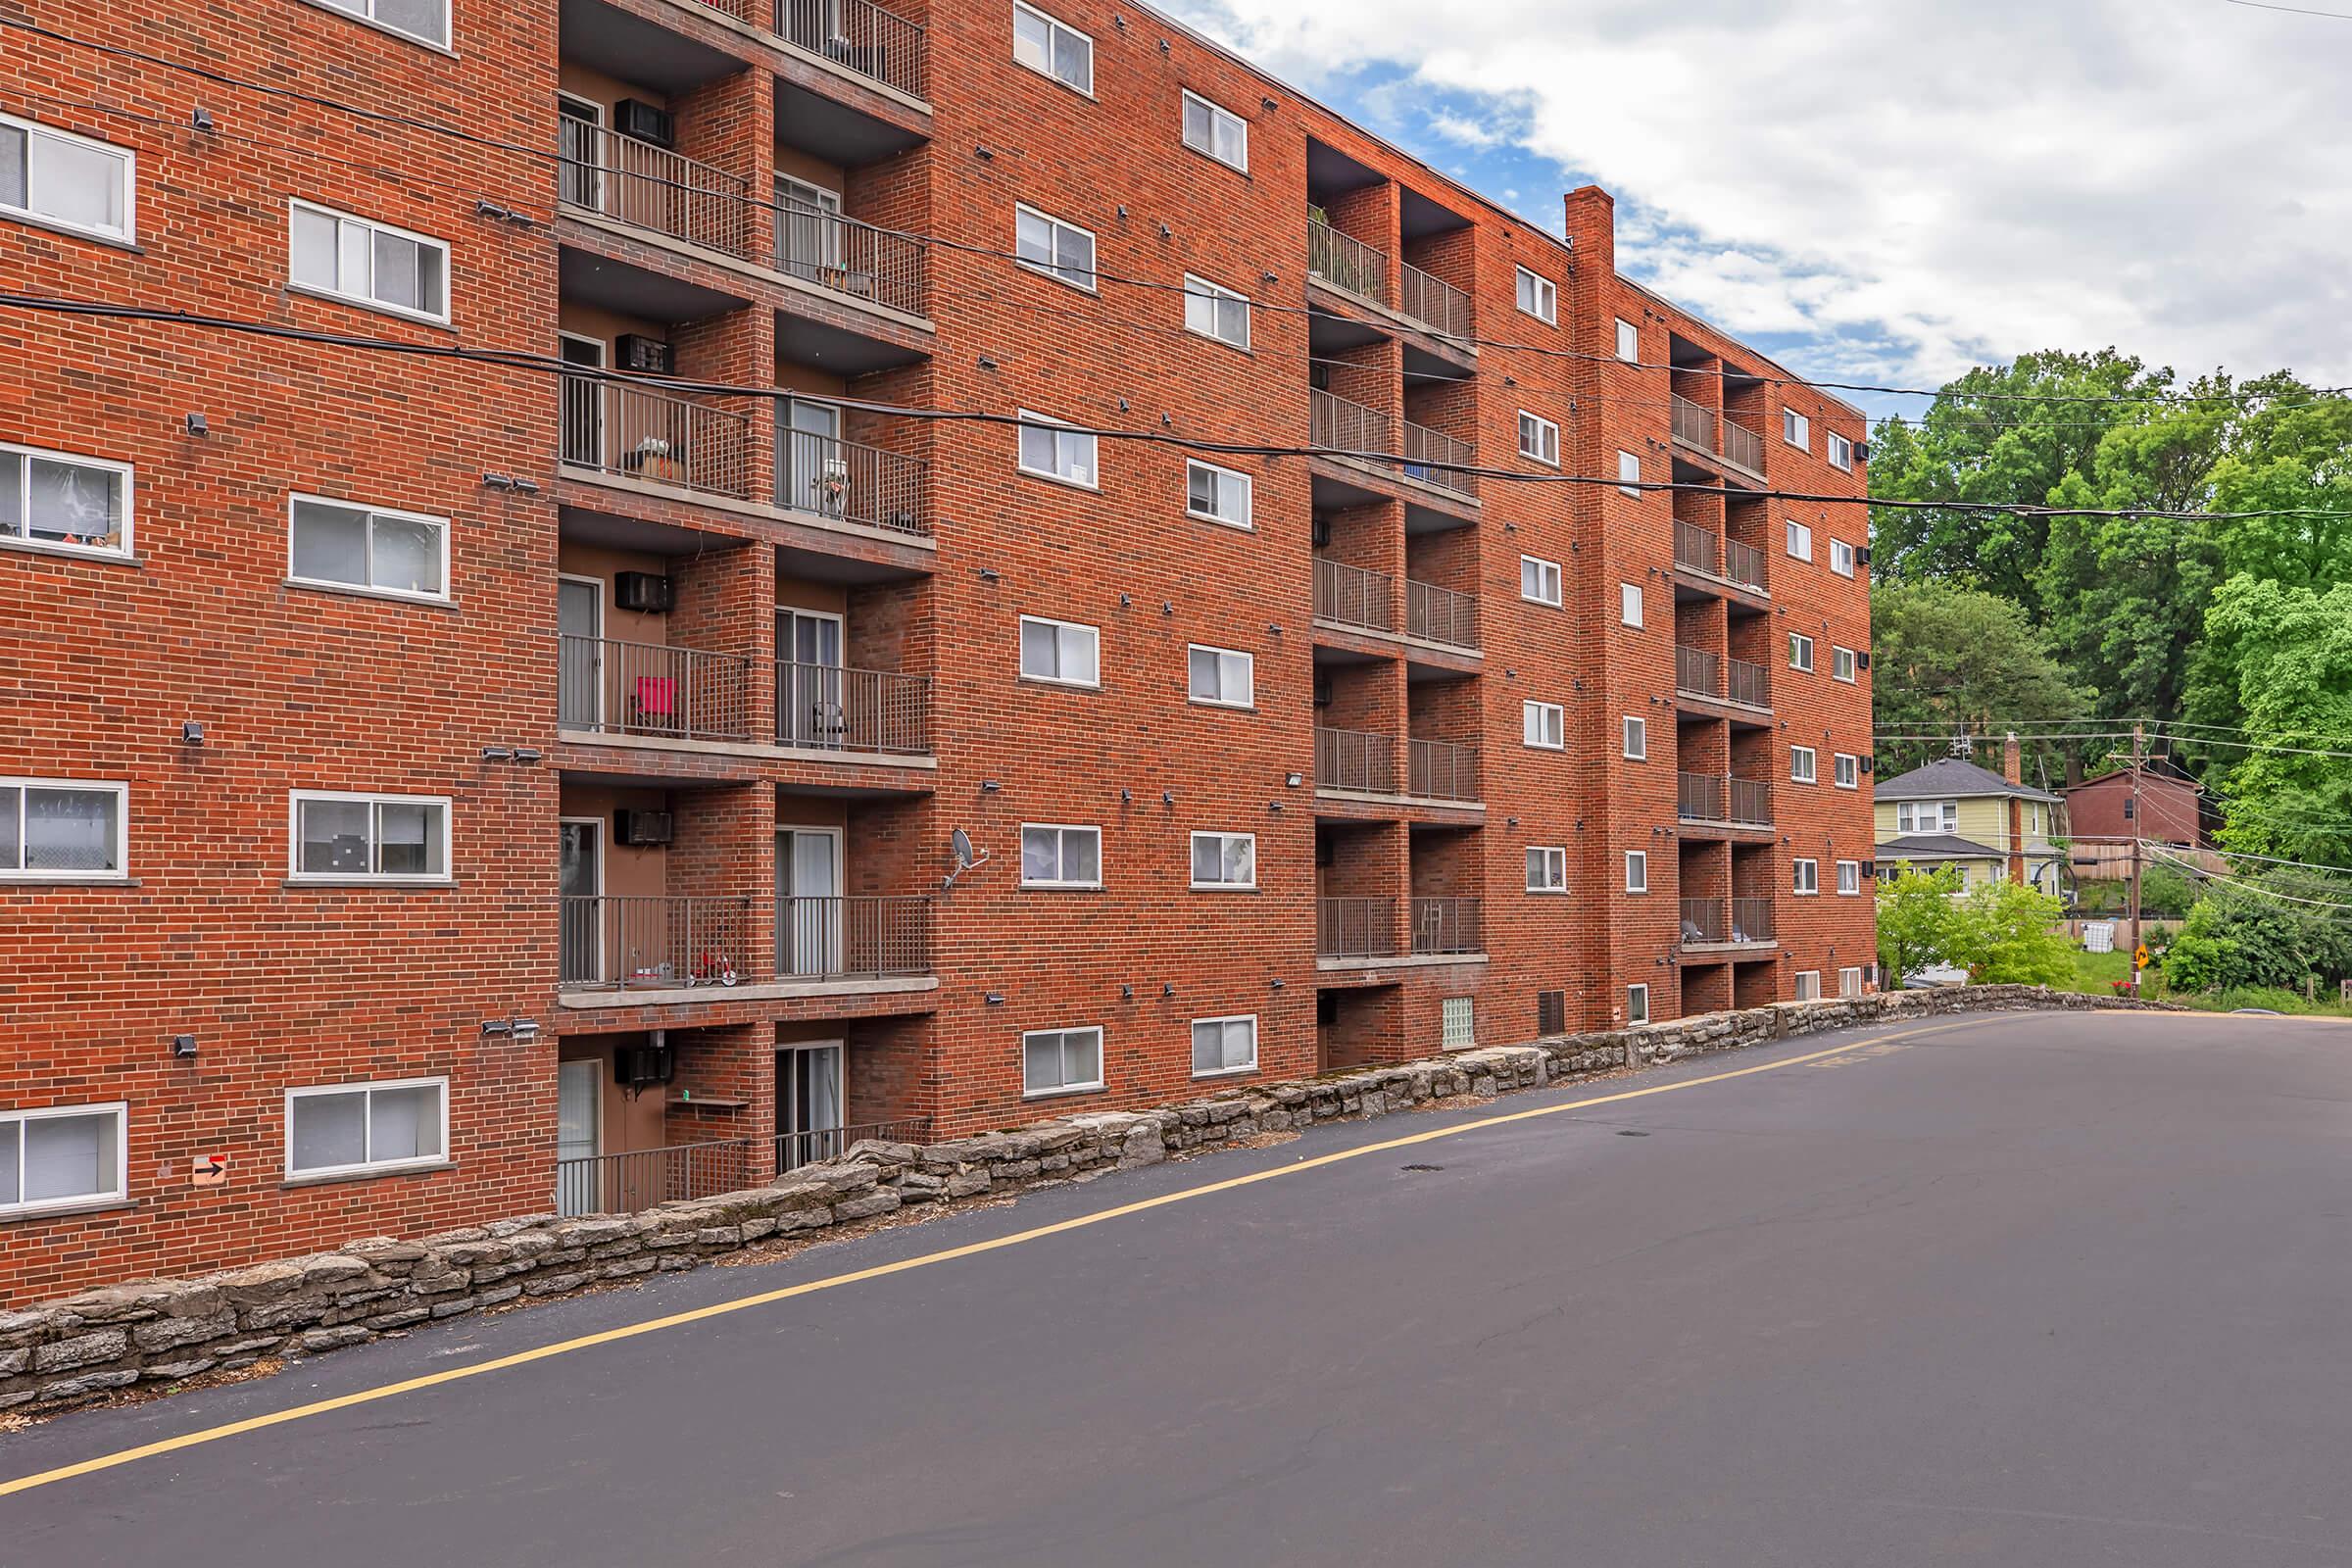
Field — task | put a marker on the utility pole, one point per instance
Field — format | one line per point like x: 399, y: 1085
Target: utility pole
x: 2139, y: 746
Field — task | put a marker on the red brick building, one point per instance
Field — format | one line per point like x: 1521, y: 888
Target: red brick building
x: 438, y: 786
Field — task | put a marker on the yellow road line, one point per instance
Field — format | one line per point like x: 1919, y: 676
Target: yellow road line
x: 386, y: 1391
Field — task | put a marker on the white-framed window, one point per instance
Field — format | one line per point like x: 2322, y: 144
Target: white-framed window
x: 1061, y: 1061
x: 1636, y: 870
x: 1216, y: 495
x: 1841, y: 454
x: 1800, y: 540
x: 425, y: 20
x: 1051, y: 449
x: 1637, y: 1003
x: 1628, y: 340
x: 1637, y: 738
x: 1218, y: 132
x: 1806, y: 876
x: 1044, y: 243
x: 1629, y: 474
x: 1547, y: 868
x: 1796, y: 429
x: 62, y: 180
x: 1060, y: 855
x: 1803, y: 764
x: 1458, y: 1023
x: 1846, y: 770
x: 64, y: 830
x: 1808, y: 985
x: 1224, y: 861
x: 61, y: 1156
x: 1538, y: 297
x: 1224, y: 1045
x: 1926, y: 816
x: 1061, y: 652
x: 1801, y: 652
x: 346, y: 546
x: 1220, y: 677
x: 1538, y: 438
x: 1841, y: 664
x: 359, y: 1129
x: 1540, y: 581
x: 1543, y: 726
x: 367, y: 262
x: 1842, y: 557
x: 1053, y: 48
x: 1213, y: 311
x: 65, y: 502
x: 1629, y: 603
x: 1849, y: 878
x: 1849, y: 982
x: 342, y: 837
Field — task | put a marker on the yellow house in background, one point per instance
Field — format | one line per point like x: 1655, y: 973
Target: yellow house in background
x: 1951, y: 812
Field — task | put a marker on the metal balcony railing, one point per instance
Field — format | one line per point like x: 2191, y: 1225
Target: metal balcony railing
x: 1697, y: 672
x: 1693, y: 426
x: 1742, y: 447
x: 1703, y: 920
x: 1749, y: 685
x: 1354, y: 596
x: 1702, y: 427
x: 650, y: 187
x: 1751, y: 801
x: 1447, y: 925
x: 652, y: 436
x: 1697, y: 548
x: 854, y: 938
x: 838, y: 708
x: 853, y: 260
x: 861, y: 36
x: 1425, y: 449
x: 1347, y: 263
x: 1433, y: 301
x: 847, y: 481
x: 1343, y: 426
x: 1353, y: 760
x: 1699, y: 798
x: 1744, y: 564
x: 1355, y: 928
x: 1442, y: 770
x: 625, y: 688
x: 662, y: 943
x: 635, y: 1180
x: 1441, y: 614
x: 1751, y: 920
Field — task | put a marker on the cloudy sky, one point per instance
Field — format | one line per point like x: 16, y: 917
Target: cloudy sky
x: 1892, y: 190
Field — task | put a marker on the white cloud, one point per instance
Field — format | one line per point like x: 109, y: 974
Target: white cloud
x: 1928, y: 184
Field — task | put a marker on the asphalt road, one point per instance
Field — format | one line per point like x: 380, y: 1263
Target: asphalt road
x: 2056, y: 1290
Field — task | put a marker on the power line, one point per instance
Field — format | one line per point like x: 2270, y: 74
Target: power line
x: 2298, y: 11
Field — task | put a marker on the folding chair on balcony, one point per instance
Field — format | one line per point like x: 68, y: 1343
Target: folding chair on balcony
x: 654, y: 702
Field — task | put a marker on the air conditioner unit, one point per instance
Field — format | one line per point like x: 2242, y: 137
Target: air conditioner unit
x: 646, y: 355
x: 1870, y: 869
x: 1862, y: 659
x: 636, y: 1067
x: 1863, y: 555
x: 643, y: 828
x: 633, y: 116
x: 1322, y: 693
x: 1319, y: 533
x: 1869, y: 764
x: 1862, y: 450
x: 646, y: 591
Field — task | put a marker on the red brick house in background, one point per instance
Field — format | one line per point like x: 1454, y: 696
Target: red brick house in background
x: 445, y: 788
x: 2169, y: 808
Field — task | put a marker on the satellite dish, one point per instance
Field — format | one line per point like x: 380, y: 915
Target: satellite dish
x: 959, y: 845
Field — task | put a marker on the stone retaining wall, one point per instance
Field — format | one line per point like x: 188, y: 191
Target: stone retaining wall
x: 160, y: 1331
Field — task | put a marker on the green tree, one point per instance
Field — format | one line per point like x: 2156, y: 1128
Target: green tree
x: 2005, y: 933
x: 2260, y: 933
x: 1952, y: 659
x: 1916, y: 919
x: 2289, y: 650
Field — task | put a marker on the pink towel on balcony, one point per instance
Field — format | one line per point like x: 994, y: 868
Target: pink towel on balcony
x: 656, y: 694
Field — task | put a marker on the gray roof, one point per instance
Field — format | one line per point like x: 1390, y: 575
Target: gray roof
x: 1936, y: 846
x: 1950, y: 778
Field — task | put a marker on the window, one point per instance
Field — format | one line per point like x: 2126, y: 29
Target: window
x: 1628, y: 340
x: 1051, y: 449
x: 1629, y: 603
x: 1637, y: 1003
x: 1846, y: 771
x: 66, y: 502
x: 1637, y: 738
x: 1796, y: 429
x: 1547, y: 868
x: 1842, y: 557
x: 1061, y: 652
x: 1048, y: 245
x: 1808, y: 985
x: 1540, y: 581
x: 428, y: 20
x: 1850, y: 981
x: 1216, y: 495
x: 1223, y: 1046
x: 1224, y: 860
x: 1457, y: 1024
x: 1636, y: 870
x: 1800, y: 540
x: 1552, y: 1012
x: 1807, y: 876
x: 1220, y: 677
x: 368, y: 546
x: 369, y: 262
x: 1537, y: 296
x: 1212, y: 130
x: 367, y: 1127
x: 63, y: 831
x: 58, y: 179
x: 1849, y: 878
x: 1800, y: 651
x: 1842, y: 452
x: 1841, y: 664
x: 1545, y: 726
x: 369, y: 837
x: 1055, y: 856
x: 1060, y: 1062
x: 1926, y: 816
x: 1629, y: 474
x: 1053, y: 48
x: 1214, y: 312
x: 1803, y: 764
x: 69, y: 1155
x: 1538, y: 438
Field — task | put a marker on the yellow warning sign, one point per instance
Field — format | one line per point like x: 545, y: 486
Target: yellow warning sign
x: 2140, y: 956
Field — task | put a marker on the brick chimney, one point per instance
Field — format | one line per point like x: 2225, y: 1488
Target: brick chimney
x: 2011, y: 768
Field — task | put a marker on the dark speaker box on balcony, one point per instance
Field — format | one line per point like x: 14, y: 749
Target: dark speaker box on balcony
x: 636, y: 1067
x: 645, y: 356
x: 634, y: 116
x: 647, y: 591
x: 643, y: 829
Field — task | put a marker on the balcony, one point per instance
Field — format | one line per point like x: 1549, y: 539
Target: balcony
x: 856, y: 35
x: 1424, y: 446
x: 1442, y: 770
x: 1710, y: 555
x: 853, y: 260
x: 1343, y: 426
x: 1355, y: 928
x: 1700, y: 674
x: 1709, y: 432
x: 1726, y: 922
x: 1433, y: 303
x: 668, y: 944
x: 1447, y: 925
x: 636, y: 1180
x: 611, y: 687
x: 1345, y: 263
x: 847, y: 481
x: 1367, y: 763
x: 648, y: 188
x: 1366, y: 601
x: 1717, y: 801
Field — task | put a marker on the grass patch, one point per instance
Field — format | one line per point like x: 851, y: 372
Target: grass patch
x: 2095, y: 973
